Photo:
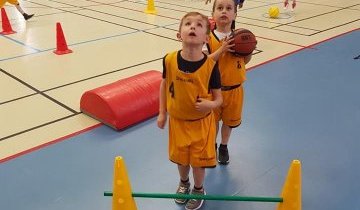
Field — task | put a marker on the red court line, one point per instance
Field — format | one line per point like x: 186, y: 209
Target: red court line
x: 335, y: 36
x: 49, y: 143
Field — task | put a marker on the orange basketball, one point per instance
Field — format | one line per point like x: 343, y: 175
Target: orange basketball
x: 245, y: 42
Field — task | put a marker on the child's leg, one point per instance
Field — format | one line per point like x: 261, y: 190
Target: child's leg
x: 18, y: 7
x: 26, y: 16
x: 199, y: 175
x: 184, y: 184
x: 286, y: 4
x: 223, y: 157
x: 225, y: 134
x: 217, y: 131
x: 184, y: 172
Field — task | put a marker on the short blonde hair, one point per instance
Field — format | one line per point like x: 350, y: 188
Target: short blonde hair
x: 204, y: 17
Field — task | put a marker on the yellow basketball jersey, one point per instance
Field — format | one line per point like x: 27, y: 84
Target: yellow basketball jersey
x: 232, y: 68
x: 183, y: 89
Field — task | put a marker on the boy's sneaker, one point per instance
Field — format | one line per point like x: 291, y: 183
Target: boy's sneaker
x: 223, y: 155
x: 194, y: 204
x: 27, y: 17
x: 182, y: 189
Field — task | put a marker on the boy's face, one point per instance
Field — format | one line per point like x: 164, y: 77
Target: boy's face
x: 193, y: 30
x: 224, y: 12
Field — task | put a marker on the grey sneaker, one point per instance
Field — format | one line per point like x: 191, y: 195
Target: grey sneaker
x: 182, y: 189
x: 223, y: 155
x: 194, y: 204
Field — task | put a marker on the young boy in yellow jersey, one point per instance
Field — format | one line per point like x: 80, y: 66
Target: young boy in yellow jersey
x: 18, y: 7
x: 232, y: 71
x: 189, y: 92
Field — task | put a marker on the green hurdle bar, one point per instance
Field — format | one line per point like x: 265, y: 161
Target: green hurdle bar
x: 203, y: 197
x: 123, y: 197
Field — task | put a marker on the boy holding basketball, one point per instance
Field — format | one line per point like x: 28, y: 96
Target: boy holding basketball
x: 189, y: 92
x: 18, y: 7
x: 232, y: 71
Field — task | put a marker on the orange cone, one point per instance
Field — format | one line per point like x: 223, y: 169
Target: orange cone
x: 291, y: 192
x: 5, y: 23
x: 61, y: 46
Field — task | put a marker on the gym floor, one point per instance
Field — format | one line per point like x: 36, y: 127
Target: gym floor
x: 302, y: 102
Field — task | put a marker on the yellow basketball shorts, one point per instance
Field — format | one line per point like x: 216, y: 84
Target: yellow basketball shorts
x: 230, y: 111
x: 2, y: 2
x: 193, y: 142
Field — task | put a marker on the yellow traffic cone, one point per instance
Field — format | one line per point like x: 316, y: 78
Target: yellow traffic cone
x: 122, y: 195
x: 291, y: 192
x: 150, y: 7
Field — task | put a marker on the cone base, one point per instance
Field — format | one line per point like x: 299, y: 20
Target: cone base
x: 7, y: 32
x: 62, y: 52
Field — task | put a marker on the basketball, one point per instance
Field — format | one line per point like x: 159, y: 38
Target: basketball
x: 245, y: 42
x: 274, y: 12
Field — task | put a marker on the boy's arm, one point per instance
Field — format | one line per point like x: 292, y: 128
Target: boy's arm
x: 217, y: 96
x: 247, y: 58
x: 216, y: 55
x: 162, y: 97
x: 161, y: 120
x: 226, y: 46
x: 205, y: 105
x: 215, y: 86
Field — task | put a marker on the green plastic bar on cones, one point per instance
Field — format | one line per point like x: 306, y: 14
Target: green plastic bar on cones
x: 203, y: 197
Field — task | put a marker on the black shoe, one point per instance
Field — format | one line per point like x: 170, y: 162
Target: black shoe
x: 27, y: 17
x: 223, y: 157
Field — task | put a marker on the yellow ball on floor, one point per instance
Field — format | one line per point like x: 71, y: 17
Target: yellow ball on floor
x: 274, y: 12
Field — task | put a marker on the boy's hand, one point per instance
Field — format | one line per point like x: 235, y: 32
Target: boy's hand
x: 203, y: 105
x: 161, y: 120
x: 227, y: 44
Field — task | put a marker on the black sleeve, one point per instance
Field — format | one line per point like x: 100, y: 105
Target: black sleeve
x: 164, y: 67
x: 215, y: 82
